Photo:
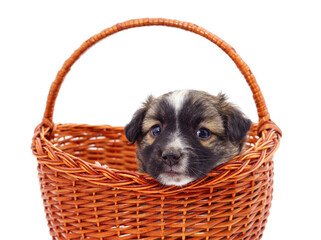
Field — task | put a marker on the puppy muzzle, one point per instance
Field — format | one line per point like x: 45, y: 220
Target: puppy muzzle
x: 171, y: 157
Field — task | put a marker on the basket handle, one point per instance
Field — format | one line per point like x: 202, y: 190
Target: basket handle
x: 263, y: 114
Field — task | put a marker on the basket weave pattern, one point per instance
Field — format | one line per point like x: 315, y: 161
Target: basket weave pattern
x: 85, y: 201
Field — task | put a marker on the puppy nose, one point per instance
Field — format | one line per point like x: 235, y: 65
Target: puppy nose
x: 171, y: 157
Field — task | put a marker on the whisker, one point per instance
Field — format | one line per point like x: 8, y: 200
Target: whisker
x: 197, y: 170
x: 192, y: 169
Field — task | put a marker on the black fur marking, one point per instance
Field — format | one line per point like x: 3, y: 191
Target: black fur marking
x: 192, y: 114
x: 133, y: 130
x: 166, y: 112
x: 236, y: 126
x: 235, y: 123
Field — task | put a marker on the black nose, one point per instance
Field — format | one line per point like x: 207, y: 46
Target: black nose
x: 171, y: 157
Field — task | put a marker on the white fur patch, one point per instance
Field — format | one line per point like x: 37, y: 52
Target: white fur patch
x: 174, y: 180
x: 177, y: 99
x: 176, y: 141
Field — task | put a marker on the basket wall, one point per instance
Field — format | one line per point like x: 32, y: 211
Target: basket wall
x: 77, y: 208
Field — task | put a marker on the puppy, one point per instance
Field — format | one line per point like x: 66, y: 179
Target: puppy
x: 182, y: 135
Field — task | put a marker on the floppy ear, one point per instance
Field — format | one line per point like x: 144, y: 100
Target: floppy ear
x: 235, y: 123
x: 134, y: 128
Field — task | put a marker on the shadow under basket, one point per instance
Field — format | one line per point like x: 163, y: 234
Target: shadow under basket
x: 86, y: 201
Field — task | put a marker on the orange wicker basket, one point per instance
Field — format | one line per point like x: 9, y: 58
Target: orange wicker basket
x: 85, y: 201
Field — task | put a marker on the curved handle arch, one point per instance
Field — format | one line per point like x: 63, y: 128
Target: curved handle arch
x: 262, y: 110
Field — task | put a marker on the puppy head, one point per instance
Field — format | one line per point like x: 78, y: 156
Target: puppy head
x: 183, y: 135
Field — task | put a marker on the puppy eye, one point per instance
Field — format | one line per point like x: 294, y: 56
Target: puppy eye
x: 155, y: 130
x: 203, y: 133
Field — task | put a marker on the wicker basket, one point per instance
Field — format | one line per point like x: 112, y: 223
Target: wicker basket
x: 85, y: 201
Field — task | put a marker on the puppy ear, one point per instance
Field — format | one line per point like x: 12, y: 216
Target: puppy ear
x: 134, y: 128
x: 235, y: 123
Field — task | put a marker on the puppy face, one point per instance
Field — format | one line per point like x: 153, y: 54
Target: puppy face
x: 183, y: 135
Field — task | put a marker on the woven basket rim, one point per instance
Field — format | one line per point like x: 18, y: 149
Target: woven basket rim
x: 77, y: 168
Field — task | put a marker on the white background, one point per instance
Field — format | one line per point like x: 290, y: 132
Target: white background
x: 280, y: 41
